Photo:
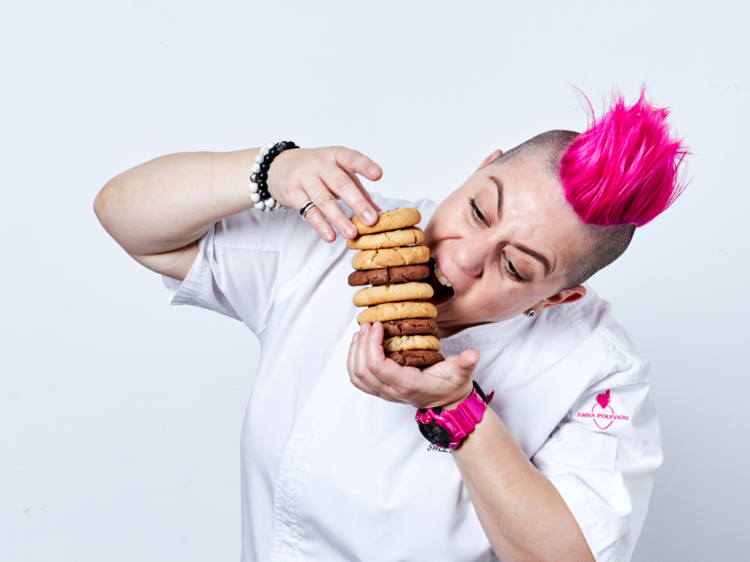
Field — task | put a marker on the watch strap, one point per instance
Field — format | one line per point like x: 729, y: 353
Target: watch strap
x: 461, y: 420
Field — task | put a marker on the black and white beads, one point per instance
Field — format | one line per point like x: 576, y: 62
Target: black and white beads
x: 259, y: 178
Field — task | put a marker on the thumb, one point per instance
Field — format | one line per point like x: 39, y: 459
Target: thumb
x: 468, y: 360
x: 462, y: 368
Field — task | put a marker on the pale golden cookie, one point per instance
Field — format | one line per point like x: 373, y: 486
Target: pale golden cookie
x: 397, y: 311
x: 390, y: 257
x: 393, y: 292
x: 390, y: 239
x: 404, y: 343
x: 390, y: 220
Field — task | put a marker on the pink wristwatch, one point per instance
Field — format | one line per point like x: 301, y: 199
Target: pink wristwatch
x: 447, y: 428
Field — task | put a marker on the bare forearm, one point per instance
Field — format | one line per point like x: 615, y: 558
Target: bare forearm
x: 521, y: 512
x: 169, y: 202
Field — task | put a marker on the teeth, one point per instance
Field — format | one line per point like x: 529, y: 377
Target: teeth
x: 441, y: 278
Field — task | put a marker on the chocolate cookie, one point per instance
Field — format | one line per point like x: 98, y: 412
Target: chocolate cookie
x: 412, y: 326
x: 416, y: 358
x: 401, y: 274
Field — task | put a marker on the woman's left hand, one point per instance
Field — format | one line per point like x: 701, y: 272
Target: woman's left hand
x: 445, y: 384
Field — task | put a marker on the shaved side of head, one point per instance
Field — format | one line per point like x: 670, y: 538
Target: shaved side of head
x: 606, y: 243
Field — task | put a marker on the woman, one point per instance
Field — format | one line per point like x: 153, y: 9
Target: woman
x: 561, y: 464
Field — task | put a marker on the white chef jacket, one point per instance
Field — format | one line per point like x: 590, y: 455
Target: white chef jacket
x: 330, y: 473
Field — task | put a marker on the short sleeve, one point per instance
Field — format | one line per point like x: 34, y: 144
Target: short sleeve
x: 603, y: 460
x: 236, y: 269
x: 246, y: 260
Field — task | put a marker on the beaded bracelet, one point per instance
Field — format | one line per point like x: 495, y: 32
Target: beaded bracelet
x: 259, y: 178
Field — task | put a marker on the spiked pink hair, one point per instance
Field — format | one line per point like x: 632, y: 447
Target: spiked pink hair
x: 624, y: 168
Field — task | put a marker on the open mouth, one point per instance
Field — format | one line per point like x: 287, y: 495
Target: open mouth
x: 442, y: 287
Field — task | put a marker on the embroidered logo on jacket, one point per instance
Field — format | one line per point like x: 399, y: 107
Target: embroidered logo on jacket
x: 601, y: 412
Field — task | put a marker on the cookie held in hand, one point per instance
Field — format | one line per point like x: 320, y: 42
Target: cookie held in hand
x: 390, y: 220
x: 410, y: 327
x: 421, y: 358
x: 405, y: 343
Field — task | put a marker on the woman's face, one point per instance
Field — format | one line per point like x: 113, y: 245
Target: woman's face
x: 505, y: 241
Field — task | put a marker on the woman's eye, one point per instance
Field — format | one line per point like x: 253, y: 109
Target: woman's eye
x: 512, y: 270
x: 477, y: 213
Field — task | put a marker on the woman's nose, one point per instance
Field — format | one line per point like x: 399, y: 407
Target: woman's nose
x: 469, y: 256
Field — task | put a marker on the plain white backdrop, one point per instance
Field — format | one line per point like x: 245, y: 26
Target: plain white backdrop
x: 120, y: 416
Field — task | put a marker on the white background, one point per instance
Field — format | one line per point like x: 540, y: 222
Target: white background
x: 120, y: 417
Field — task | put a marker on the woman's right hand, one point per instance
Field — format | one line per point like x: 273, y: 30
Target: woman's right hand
x: 322, y: 175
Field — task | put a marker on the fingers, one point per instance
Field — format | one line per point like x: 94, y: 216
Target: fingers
x: 322, y: 192
x: 355, y: 162
x: 445, y: 384
x: 326, y: 208
x: 393, y: 381
x: 362, y: 363
x: 355, y: 179
x: 361, y: 368
x: 350, y: 361
x: 351, y: 192
x: 352, y: 352
x: 374, y: 356
x: 316, y: 219
x: 321, y: 176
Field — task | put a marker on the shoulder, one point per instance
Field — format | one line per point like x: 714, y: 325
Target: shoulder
x: 594, y: 326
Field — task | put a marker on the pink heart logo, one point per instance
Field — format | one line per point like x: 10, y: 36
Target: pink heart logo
x: 603, y: 410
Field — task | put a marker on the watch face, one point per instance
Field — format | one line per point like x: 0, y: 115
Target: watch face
x: 435, y: 434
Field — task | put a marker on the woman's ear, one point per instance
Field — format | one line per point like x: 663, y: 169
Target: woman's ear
x: 566, y: 296
x: 490, y: 158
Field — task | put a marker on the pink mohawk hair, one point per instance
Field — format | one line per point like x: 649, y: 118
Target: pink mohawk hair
x: 624, y: 168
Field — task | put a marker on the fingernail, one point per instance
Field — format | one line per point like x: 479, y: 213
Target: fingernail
x: 351, y: 232
x: 373, y: 171
x: 369, y: 217
x: 356, y: 337
x: 330, y: 236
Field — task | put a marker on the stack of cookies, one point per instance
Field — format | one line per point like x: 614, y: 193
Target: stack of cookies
x: 393, y: 262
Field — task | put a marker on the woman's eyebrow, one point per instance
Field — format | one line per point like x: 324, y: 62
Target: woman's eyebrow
x: 537, y: 256
x: 499, y: 185
x: 544, y: 261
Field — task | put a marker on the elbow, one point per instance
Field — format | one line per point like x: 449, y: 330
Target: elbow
x: 108, y: 210
x: 100, y: 204
x: 104, y: 204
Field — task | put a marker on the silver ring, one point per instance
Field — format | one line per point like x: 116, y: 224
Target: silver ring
x: 304, y: 208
